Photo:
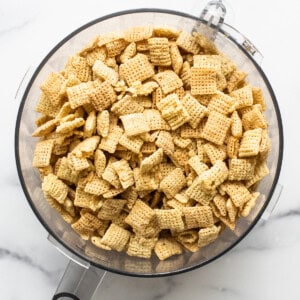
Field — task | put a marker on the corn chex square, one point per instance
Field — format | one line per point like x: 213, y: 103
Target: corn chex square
x: 216, y: 128
x: 135, y: 124
x: 203, y: 82
x: 168, y: 81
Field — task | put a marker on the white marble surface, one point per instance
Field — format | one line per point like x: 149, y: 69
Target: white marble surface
x: 265, y: 265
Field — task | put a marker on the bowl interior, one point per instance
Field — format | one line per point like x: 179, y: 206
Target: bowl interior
x: 25, y: 144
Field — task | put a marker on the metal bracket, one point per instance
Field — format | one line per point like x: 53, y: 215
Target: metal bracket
x: 213, y: 16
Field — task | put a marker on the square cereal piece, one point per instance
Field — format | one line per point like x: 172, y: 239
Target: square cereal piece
x: 140, y: 246
x: 111, y: 209
x: 168, y: 81
x: 180, y: 158
x: 249, y: 205
x: 133, y: 143
x: 216, y: 128
x: 105, y: 73
x: 52, y: 86
x: 77, y: 163
x: 235, y: 79
x: 127, y: 105
x: 129, y: 52
x: 65, y: 172
x: 159, y: 51
x: 207, y: 62
x: 78, y: 95
x: 116, y: 237
x: 165, y: 168
x: 197, y: 165
x: 208, y: 235
x: 78, y: 67
x: 208, y: 45
x: 220, y: 103
x: 140, y: 33
x: 151, y: 161
x: 187, y: 132
x: 44, y: 106
x: 155, y: 120
x: 261, y: 170
x: 55, y: 188
x: 254, y: 119
x: 148, y: 148
x: 42, y: 154
x: 188, y: 43
x: 140, y: 215
x: 124, y: 172
x: 110, y: 175
x: 144, y: 181
x: 243, y: 97
x: 173, y: 111
x: 86, y: 225
x: 198, y: 216
x: 203, y: 82
x: 169, y: 219
x: 167, y: 247
x: 110, y: 142
x: 97, y: 186
x: 233, y: 145
x: 215, y: 152
x: 137, y: 68
x: 196, y: 192
x: 87, y: 147
x: 176, y: 58
x: 194, y: 109
x: 173, y: 183
x: 115, y: 47
x: 258, y: 97
x: 237, y: 191
x: 214, y: 176
x: 250, y: 143
x: 85, y: 200
x: 135, y: 124
x: 241, y: 169
x: 227, y: 65
x: 102, y: 95
x: 185, y: 74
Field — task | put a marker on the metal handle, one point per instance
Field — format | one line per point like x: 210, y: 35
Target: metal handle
x: 79, y: 283
x: 80, y: 279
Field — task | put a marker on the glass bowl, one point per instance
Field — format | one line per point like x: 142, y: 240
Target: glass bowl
x: 30, y: 180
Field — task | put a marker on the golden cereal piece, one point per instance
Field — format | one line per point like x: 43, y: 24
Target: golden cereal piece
x: 168, y: 81
x: 52, y: 86
x: 134, y: 124
x: 188, y: 43
x: 55, y: 188
x: 140, y: 246
x: 167, y: 247
x: 169, y: 219
x: 194, y: 109
x: 250, y: 143
x: 208, y: 235
x: 102, y: 95
x: 220, y: 103
x: 198, y: 216
x: 203, y: 82
x: 42, y: 154
x: 137, y: 68
x: 216, y: 128
x: 159, y: 51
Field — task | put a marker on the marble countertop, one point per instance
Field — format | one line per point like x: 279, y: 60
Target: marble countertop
x: 265, y: 265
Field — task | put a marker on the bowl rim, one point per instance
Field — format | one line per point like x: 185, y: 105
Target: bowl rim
x: 18, y: 160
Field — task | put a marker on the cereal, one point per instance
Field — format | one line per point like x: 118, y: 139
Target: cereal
x: 203, y: 81
x: 216, y: 128
x: 173, y: 111
x: 168, y: 81
x: 151, y: 142
x: 137, y: 68
x: 159, y: 51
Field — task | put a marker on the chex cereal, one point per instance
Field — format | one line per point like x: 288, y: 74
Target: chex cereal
x: 151, y: 141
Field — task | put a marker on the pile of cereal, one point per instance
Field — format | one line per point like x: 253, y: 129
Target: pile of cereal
x: 151, y: 140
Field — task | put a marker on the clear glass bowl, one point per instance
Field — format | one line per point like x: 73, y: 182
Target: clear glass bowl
x: 51, y: 220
